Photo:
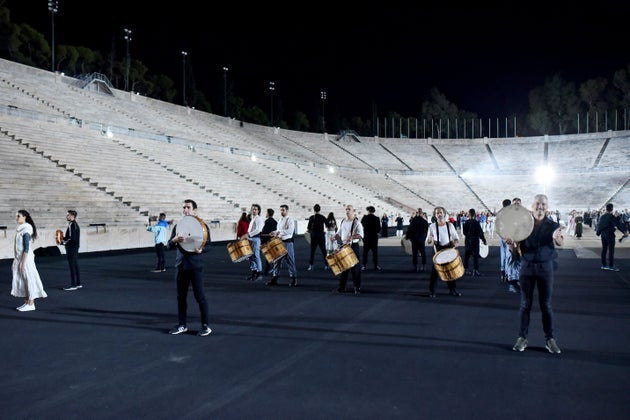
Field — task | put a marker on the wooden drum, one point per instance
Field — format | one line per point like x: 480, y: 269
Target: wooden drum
x: 240, y: 250
x: 59, y: 237
x: 273, y: 250
x: 448, y: 264
x: 342, y: 259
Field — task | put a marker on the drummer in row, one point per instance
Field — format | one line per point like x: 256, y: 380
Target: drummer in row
x: 350, y: 231
x: 286, y: 229
x: 442, y: 234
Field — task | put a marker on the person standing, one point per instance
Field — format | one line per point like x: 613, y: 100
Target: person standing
x: 537, y: 253
x: 399, y: 225
x: 242, y: 225
x: 26, y: 282
x: 285, y: 231
x: 189, y: 271
x: 442, y: 234
x: 579, y: 226
x: 159, y: 237
x: 417, y: 234
x: 384, y: 226
x: 513, y: 264
x: 350, y: 231
x: 317, y: 229
x: 331, y: 231
x: 254, y: 229
x: 371, y: 227
x: 270, y: 225
x: 473, y: 233
x: 72, y: 242
x: 606, y: 231
x: 503, y: 249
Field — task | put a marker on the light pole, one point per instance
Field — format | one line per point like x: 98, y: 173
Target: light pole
x: 53, y: 6
x: 184, y: 54
x: 272, y: 87
x: 225, y: 70
x: 128, y: 39
x: 323, y: 96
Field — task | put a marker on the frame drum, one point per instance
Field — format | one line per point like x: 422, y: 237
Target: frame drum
x: 307, y: 236
x: 483, y: 249
x: 514, y: 221
x: 448, y: 264
x: 240, y: 250
x: 194, y: 231
x: 342, y: 259
x: 59, y: 237
x: 273, y: 250
x: 406, y: 245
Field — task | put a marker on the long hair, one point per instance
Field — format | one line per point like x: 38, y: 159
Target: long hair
x: 30, y: 221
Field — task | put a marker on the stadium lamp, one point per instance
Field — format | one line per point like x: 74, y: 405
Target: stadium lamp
x: 225, y: 70
x: 545, y: 175
x: 323, y: 97
x: 253, y: 157
x: 128, y: 39
x: 272, y: 87
x: 184, y: 54
x: 331, y: 169
x: 53, y: 7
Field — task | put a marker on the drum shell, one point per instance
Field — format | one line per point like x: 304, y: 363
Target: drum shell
x: 240, y: 250
x: 448, y: 270
x: 341, y: 260
x: 273, y: 250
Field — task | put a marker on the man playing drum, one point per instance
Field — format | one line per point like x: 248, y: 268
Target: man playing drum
x: 286, y: 228
x: 442, y: 235
x: 350, y: 231
x: 253, y: 234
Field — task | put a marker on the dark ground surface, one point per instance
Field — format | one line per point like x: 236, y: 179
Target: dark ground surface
x: 103, y: 352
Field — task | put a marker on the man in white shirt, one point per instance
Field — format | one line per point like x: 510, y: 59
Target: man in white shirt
x: 350, y: 231
x: 253, y: 234
x: 286, y: 228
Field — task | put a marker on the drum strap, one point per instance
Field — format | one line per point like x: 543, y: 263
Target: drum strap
x: 438, y: 246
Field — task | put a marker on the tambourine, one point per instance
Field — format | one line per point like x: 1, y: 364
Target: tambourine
x: 194, y: 231
x: 514, y: 221
x: 483, y: 249
x: 59, y: 237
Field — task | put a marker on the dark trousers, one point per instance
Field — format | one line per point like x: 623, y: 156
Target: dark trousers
x: 472, y: 249
x: 415, y: 248
x: 161, y: 258
x: 534, y: 276
x: 433, y: 279
x: 608, y: 250
x: 73, y: 263
x: 317, y: 241
x: 355, y: 271
x: 370, y: 246
x: 184, y: 279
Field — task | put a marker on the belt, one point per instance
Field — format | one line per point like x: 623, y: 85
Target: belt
x: 288, y: 240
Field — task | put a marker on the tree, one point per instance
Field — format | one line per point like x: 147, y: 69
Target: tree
x: 555, y: 105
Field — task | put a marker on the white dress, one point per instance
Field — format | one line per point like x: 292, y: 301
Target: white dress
x: 30, y: 284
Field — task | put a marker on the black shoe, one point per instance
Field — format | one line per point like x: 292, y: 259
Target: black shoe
x: 377, y: 268
x: 431, y: 295
x: 357, y: 290
x: 454, y: 293
x: 252, y: 276
x: 339, y: 290
x: 423, y: 269
x: 414, y: 270
x: 293, y: 282
x: 469, y: 272
x: 477, y: 273
x: 70, y: 288
x: 502, y: 279
x: 273, y: 281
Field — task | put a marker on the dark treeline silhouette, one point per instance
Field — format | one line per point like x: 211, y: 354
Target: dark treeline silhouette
x: 557, y: 107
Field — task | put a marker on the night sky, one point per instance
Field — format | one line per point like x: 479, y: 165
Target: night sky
x: 485, y: 60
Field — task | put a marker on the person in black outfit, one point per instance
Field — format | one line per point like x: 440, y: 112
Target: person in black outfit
x: 189, y: 270
x: 384, y: 225
x: 317, y: 229
x: 72, y: 241
x: 270, y: 225
x: 371, y: 228
x: 473, y: 233
x: 606, y: 230
x: 417, y: 234
x: 537, y: 253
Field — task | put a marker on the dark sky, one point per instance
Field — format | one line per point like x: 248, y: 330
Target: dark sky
x: 483, y: 59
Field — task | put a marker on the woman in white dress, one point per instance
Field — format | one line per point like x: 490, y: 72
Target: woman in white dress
x: 26, y: 281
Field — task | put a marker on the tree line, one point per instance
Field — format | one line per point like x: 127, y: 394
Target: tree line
x: 558, y: 106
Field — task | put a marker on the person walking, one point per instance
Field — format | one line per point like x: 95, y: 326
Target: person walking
x: 26, y: 282
x: 317, y: 230
x: 285, y: 231
x: 189, y: 271
x: 606, y: 227
x: 537, y: 253
x: 417, y: 234
x: 350, y: 231
x: 371, y: 228
x: 254, y: 230
x: 270, y: 225
x: 72, y: 242
x: 473, y: 233
x: 442, y: 234
x: 160, y: 231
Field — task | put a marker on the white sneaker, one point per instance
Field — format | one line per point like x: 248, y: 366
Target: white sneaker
x: 20, y: 307
x: 26, y: 308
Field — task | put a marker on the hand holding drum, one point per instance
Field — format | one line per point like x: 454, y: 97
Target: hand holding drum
x: 514, y: 223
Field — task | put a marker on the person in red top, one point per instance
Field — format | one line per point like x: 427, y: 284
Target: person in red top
x: 242, y: 226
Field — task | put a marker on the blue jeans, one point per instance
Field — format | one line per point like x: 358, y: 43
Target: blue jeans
x: 536, y: 275
x: 255, y: 263
x: 290, y: 260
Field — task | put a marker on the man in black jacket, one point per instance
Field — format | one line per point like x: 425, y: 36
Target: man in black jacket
x: 72, y: 241
x: 473, y: 232
x: 371, y: 228
x: 606, y: 230
x: 317, y: 230
x: 417, y: 234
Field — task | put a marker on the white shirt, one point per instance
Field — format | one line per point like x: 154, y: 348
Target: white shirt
x: 444, y: 238
x: 255, y: 226
x: 345, y: 230
x: 286, y: 227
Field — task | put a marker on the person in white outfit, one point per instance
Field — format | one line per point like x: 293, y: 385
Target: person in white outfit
x: 26, y: 281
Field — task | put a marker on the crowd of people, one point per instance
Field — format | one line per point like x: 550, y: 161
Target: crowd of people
x: 526, y: 263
